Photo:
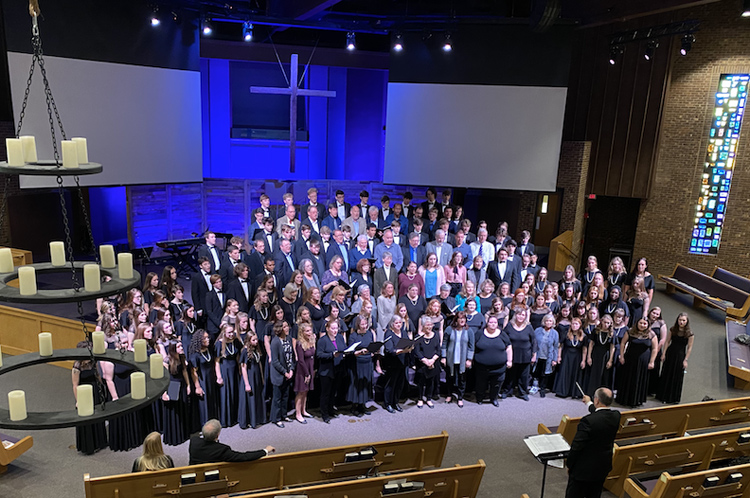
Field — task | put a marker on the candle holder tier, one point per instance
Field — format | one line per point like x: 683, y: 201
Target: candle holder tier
x: 113, y: 287
x: 70, y: 418
x: 50, y: 168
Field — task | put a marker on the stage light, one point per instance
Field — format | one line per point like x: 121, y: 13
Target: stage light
x: 398, y: 45
x: 247, y: 31
x: 686, y: 44
x: 207, y: 28
x: 351, y: 42
x: 448, y: 43
x: 155, y: 21
x: 651, y: 47
x: 615, y: 52
x: 746, y: 8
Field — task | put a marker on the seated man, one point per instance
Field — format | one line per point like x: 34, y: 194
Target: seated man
x: 206, y: 448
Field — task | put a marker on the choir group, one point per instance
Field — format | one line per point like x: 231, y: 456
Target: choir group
x: 404, y: 299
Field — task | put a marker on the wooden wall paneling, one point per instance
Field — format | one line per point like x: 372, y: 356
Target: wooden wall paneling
x: 225, y: 206
x: 149, y: 212
x: 639, y: 109
x: 623, y: 124
x: 601, y: 80
x: 185, y: 210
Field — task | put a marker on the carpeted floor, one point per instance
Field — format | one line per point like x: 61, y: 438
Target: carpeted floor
x: 54, y: 468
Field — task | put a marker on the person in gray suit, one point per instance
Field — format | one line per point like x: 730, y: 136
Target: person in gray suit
x: 386, y: 273
x: 458, y: 351
x: 477, y: 273
x: 440, y: 247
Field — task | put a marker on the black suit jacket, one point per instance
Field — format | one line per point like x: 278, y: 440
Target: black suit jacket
x: 511, y: 275
x: 236, y: 292
x: 214, y: 311
x: 283, y: 271
x: 421, y: 254
x: 202, y: 451
x: 319, y: 263
x: 274, y: 239
x: 198, y: 290
x: 204, y: 252
x: 590, y: 457
x: 255, y: 262
x: 529, y: 249
x: 227, y: 271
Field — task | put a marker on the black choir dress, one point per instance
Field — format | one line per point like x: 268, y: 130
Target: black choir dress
x: 475, y: 322
x: 176, y: 411
x: 229, y: 392
x: 318, y: 317
x: 655, y: 373
x: 635, y: 305
x: 598, y: 373
x: 91, y: 438
x: 360, y: 370
x: 569, y: 371
x: 672, y: 371
x: 252, y: 407
x: 428, y: 377
x: 633, y: 374
x: 125, y: 431
x: 617, y: 335
x: 204, y: 366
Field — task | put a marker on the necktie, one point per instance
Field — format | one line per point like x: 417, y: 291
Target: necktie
x: 413, y: 254
x: 289, y: 260
x: 345, y: 256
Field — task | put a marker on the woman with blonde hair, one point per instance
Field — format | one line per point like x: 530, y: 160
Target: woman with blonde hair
x: 153, y: 457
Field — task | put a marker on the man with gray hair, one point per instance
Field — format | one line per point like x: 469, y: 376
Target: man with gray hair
x: 206, y: 448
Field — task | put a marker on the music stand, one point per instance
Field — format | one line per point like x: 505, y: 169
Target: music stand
x: 545, y: 448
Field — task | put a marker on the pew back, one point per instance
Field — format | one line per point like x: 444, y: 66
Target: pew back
x: 275, y: 472
x: 692, y: 484
x: 451, y: 482
x: 729, y: 278
x: 670, y: 420
x: 690, y: 451
x: 704, y: 288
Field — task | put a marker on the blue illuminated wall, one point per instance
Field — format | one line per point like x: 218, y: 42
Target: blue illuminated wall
x: 718, y: 167
x: 346, y: 133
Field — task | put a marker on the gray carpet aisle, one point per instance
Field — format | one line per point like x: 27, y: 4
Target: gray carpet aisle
x: 54, y: 468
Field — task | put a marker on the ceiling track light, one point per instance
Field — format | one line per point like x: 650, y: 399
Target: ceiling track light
x: 155, y: 21
x: 447, y: 43
x: 206, y: 27
x: 398, y: 44
x: 686, y: 44
x: 615, y: 52
x: 247, y: 31
x: 351, y: 41
x: 651, y: 47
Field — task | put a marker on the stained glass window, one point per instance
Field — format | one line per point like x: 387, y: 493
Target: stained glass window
x: 729, y: 108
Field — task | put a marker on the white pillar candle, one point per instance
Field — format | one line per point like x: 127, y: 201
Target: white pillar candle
x: 27, y: 280
x: 139, y: 350
x: 99, y: 345
x: 1, y: 356
x: 45, y: 344
x: 69, y: 154
x: 85, y: 395
x: 138, y: 385
x: 91, y: 278
x: 83, y: 150
x: 6, y: 260
x: 107, y: 254
x: 29, y: 148
x: 156, y: 366
x: 14, y: 151
x: 17, y: 405
x: 125, y: 265
x: 57, y: 253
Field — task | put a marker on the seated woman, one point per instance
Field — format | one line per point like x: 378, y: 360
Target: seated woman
x: 153, y: 457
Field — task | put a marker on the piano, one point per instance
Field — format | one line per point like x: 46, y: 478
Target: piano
x: 182, y: 252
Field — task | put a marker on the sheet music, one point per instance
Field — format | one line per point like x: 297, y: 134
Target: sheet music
x: 546, y: 444
x: 353, y: 347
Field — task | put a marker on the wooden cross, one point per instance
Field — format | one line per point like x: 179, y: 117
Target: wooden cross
x: 293, y: 91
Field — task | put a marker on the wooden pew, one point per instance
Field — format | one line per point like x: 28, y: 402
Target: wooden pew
x: 738, y: 355
x: 707, y: 290
x: 451, y: 482
x: 689, y: 452
x: 276, y: 472
x: 10, y: 453
x: 669, y: 421
x: 691, y: 484
x: 729, y: 278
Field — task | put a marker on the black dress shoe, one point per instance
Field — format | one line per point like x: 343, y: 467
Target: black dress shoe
x: 303, y: 421
x: 495, y: 402
x: 390, y: 409
x: 327, y: 420
x: 398, y: 408
x: 525, y: 397
x: 280, y: 425
x: 542, y: 393
x: 504, y: 395
x: 479, y: 401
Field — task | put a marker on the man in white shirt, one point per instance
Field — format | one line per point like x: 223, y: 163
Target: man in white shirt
x: 482, y: 247
x: 312, y: 219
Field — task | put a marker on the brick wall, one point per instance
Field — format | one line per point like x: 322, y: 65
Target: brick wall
x: 6, y: 131
x: 667, y: 217
x: 571, y: 178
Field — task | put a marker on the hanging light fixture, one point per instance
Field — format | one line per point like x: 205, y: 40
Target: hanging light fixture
x: 351, y: 42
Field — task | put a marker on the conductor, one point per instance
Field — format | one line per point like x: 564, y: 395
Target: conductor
x: 206, y: 448
x: 590, y: 458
